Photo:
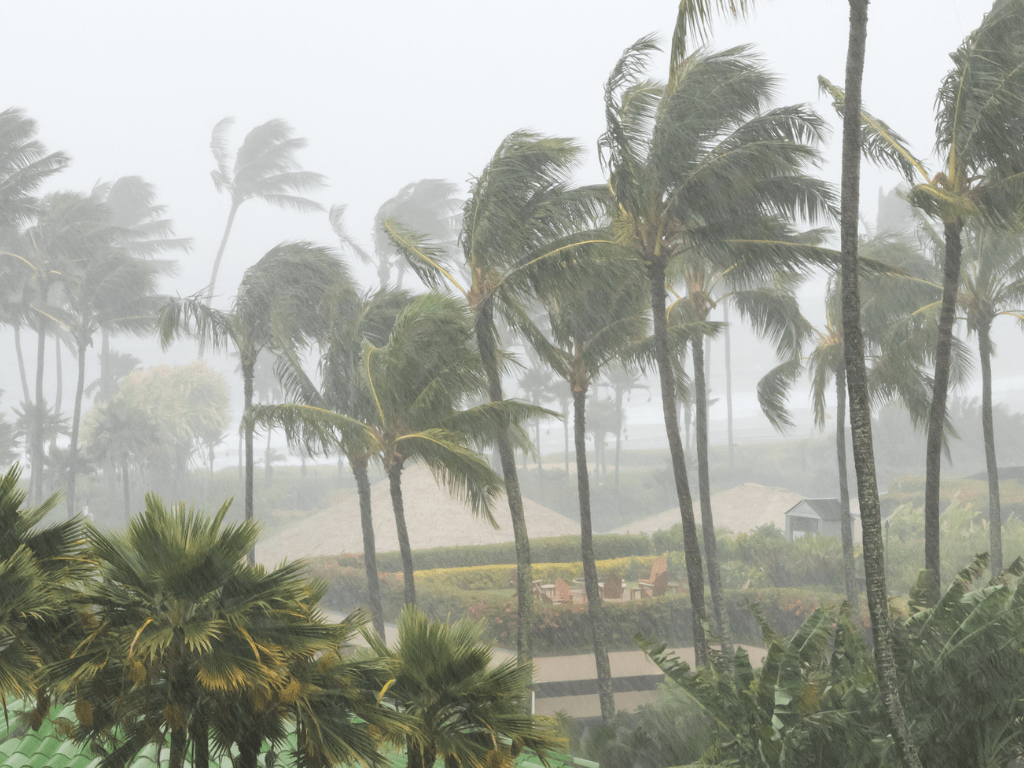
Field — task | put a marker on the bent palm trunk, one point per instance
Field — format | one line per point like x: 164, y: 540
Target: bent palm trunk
x: 707, y: 521
x: 395, y: 480
x: 860, y: 404
x: 937, y: 415
x: 604, y: 670
x: 995, y: 517
x: 694, y: 569
x: 369, y: 545
x: 220, y: 253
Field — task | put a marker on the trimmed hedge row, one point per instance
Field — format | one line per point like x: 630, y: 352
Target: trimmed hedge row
x: 503, y: 576
x: 557, y: 549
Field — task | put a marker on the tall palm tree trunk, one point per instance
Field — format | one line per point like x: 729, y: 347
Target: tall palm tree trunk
x: 707, y: 521
x: 397, y: 503
x: 565, y: 432
x: 691, y: 548
x: 58, y: 371
x: 860, y: 404
x: 36, y: 485
x: 369, y: 545
x: 937, y: 415
x: 126, y: 482
x: 728, y: 383
x: 620, y: 422
x: 248, y: 377
x: 995, y: 517
x: 220, y: 254
x: 845, y: 523
x: 604, y: 669
x: 26, y: 397
x: 76, y: 422
x: 487, y: 344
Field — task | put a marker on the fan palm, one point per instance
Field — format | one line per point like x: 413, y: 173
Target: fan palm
x: 178, y: 628
x: 597, y: 318
x: 265, y: 168
x: 281, y: 303
x: 698, y: 165
x: 37, y: 567
x: 521, y: 221
x: 463, y: 710
x: 416, y: 385
x: 981, y: 177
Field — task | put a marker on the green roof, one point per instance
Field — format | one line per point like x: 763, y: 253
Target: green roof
x: 46, y: 749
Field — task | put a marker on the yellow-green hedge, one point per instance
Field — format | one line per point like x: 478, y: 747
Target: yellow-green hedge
x: 503, y: 576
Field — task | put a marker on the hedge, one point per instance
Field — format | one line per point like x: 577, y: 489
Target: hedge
x: 558, y: 549
x: 566, y: 629
x: 503, y: 576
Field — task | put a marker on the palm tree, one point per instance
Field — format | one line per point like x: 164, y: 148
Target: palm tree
x: 24, y: 166
x: 106, y: 290
x: 464, y: 710
x: 37, y: 567
x: 417, y: 384
x: 596, y: 318
x: 977, y: 139
x: 368, y: 318
x: 857, y: 386
x: 196, y: 630
x: 265, y: 169
x: 281, y: 303
x: 122, y: 434
x: 521, y: 221
x: 674, y: 191
x: 69, y: 229
x: 143, y: 232
x: 622, y: 382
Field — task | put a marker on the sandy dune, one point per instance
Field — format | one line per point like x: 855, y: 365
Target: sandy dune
x: 433, y: 517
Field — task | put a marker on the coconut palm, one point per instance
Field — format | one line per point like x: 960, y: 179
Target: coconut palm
x: 107, y: 290
x: 464, y: 710
x: 521, y: 221
x: 596, y: 318
x: 281, y: 303
x: 24, y: 165
x: 699, y: 163
x: 142, y: 231
x: 264, y: 168
x: 622, y: 382
x: 981, y: 177
x: 417, y: 385
x: 69, y: 228
x: 369, y: 318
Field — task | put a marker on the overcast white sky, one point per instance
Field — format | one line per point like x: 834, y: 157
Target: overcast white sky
x: 392, y: 91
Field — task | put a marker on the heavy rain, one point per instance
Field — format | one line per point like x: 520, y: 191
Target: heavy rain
x: 555, y: 384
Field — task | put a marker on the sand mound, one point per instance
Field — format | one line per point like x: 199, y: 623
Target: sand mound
x: 433, y: 517
x: 738, y: 509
